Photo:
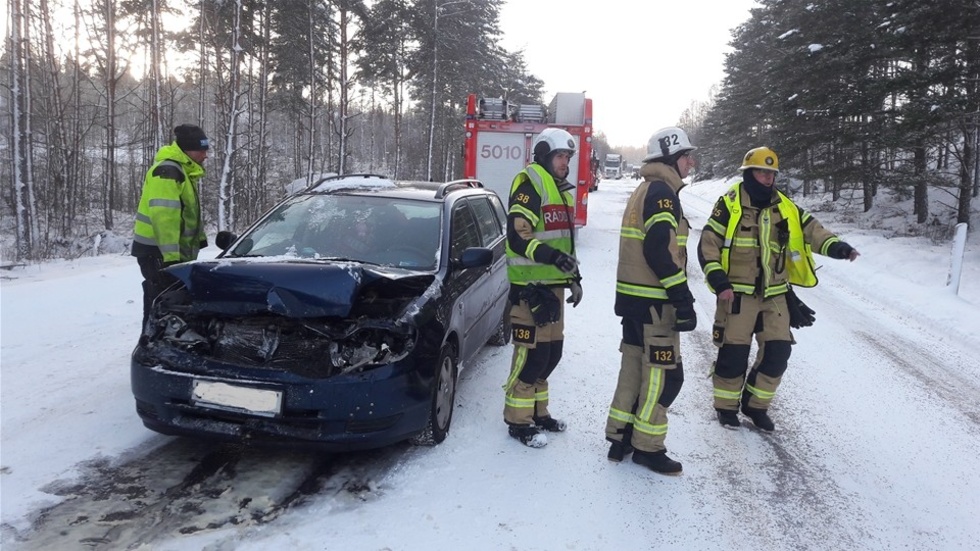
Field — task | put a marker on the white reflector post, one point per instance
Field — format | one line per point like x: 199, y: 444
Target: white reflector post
x: 956, y: 262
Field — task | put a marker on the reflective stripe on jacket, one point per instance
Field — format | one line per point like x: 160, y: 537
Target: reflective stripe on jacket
x: 169, y: 214
x: 552, y: 226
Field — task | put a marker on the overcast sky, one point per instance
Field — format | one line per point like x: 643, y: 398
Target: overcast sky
x: 669, y: 52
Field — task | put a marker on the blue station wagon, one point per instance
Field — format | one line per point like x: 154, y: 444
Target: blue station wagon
x: 340, y: 319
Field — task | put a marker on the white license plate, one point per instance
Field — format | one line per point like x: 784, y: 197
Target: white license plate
x: 237, y: 398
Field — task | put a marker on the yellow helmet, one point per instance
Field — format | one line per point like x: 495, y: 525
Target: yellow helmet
x: 762, y: 158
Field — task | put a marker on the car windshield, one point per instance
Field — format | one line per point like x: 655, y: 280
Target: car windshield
x: 377, y: 230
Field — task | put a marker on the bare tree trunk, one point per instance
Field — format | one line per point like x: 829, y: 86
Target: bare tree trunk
x: 226, y: 189
x: 21, y: 131
x: 344, y: 89
x: 156, y: 102
x: 263, y: 104
x: 110, y: 81
x: 966, y: 172
x: 311, y: 145
x: 921, y: 194
x: 57, y: 150
x: 435, y: 80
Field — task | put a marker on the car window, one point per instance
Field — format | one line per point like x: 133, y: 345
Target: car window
x: 373, y: 229
x: 486, y: 220
x: 498, y: 209
x: 464, y: 233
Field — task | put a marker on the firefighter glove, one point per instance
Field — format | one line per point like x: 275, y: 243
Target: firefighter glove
x: 687, y: 319
x: 680, y: 296
x: 565, y: 262
x: 545, y: 306
x: 840, y: 250
x: 576, y: 296
x: 800, y: 315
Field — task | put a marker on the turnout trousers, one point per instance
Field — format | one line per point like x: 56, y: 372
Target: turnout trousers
x: 650, y: 377
x: 735, y: 324
x: 537, y: 350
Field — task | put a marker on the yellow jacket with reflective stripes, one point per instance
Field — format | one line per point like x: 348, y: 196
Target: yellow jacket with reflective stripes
x: 168, y: 220
x: 760, y: 250
x: 552, y: 226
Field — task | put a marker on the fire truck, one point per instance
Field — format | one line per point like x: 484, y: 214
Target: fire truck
x: 499, y: 137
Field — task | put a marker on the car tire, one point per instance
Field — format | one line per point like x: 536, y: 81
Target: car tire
x: 501, y: 336
x: 443, y: 399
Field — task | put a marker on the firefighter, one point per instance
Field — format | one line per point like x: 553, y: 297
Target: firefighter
x: 655, y: 303
x: 756, y: 245
x: 541, y: 264
x: 168, y: 228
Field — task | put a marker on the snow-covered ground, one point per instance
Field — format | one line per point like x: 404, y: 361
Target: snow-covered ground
x: 878, y: 430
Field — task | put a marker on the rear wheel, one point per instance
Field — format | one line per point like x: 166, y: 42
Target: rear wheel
x: 443, y: 400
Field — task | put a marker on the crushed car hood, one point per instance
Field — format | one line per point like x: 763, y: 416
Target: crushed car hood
x: 296, y: 289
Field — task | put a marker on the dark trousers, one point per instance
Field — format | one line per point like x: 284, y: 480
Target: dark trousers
x: 155, y: 281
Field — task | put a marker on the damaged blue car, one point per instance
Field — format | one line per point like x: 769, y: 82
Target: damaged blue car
x: 340, y: 319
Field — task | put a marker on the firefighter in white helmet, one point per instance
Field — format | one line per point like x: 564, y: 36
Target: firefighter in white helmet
x: 756, y: 246
x: 653, y: 298
x: 541, y: 264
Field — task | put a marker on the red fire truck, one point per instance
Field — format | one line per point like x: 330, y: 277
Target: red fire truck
x: 499, y: 138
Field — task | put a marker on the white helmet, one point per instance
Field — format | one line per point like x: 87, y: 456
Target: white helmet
x: 666, y: 142
x: 553, y: 139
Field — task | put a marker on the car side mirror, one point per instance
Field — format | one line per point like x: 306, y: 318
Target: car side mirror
x: 224, y: 239
x: 475, y: 257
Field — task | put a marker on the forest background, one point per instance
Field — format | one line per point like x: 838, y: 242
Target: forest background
x: 861, y: 96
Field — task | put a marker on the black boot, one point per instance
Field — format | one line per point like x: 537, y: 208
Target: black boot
x: 550, y: 424
x: 760, y: 418
x: 529, y: 435
x: 728, y: 418
x: 657, y: 462
x: 618, y: 450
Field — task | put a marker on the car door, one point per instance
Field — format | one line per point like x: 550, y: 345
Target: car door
x: 491, y: 292
x: 464, y: 233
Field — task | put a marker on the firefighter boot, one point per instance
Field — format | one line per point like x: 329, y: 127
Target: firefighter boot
x: 760, y: 418
x: 657, y: 462
x: 728, y: 419
x: 621, y: 448
x: 529, y: 435
x: 550, y: 424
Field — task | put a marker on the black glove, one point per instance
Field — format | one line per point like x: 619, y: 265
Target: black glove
x: 564, y: 262
x: 545, y: 306
x: 683, y: 301
x: 576, y: 296
x: 687, y: 318
x: 800, y: 315
x: 840, y: 250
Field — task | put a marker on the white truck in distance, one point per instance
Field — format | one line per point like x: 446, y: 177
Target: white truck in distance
x: 613, y: 168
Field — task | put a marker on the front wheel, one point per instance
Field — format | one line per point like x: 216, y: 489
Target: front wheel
x: 443, y: 399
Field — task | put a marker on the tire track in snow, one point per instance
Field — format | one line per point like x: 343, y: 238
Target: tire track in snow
x: 187, y: 487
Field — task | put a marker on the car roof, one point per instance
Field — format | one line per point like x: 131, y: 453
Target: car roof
x: 377, y: 185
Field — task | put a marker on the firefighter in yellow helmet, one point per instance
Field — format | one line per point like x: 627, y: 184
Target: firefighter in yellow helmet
x: 756, y: 246
x: 653, y: 298
x: 541, y: 264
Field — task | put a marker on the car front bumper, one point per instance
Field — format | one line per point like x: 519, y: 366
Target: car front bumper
x: 374, y: 408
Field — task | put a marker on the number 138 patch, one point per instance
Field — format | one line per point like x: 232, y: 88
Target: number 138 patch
x: 662, y: 355
x: 524, y: 334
